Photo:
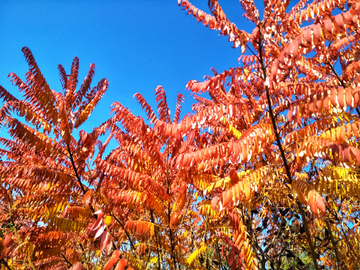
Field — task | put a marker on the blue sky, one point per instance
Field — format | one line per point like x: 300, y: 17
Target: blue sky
x: 136, y: 45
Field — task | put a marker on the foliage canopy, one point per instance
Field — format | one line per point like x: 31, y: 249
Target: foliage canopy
x: 262, y: 175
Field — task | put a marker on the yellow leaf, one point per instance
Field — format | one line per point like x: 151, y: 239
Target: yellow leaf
x: 196, y: 253
x: 246, y: 73
x: 107, y: 220
x: 59, y: 207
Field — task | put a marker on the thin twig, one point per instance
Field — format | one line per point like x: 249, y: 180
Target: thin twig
x: 68, y: 262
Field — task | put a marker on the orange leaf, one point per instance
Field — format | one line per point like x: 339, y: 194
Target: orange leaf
x: 121, y: 264
x: 113, y: 260
x: 77, y: 266
x: 174, y: 219
x: 246, y: 189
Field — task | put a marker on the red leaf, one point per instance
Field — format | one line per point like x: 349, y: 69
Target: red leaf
x: 104, y: 240
x: 234, y: 177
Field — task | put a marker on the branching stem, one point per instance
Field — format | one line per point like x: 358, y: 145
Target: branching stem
x: 75, y: 170
x: 156, y: 240
x: 282, y: 152
x: 169, y: 211
x: 123, y: 227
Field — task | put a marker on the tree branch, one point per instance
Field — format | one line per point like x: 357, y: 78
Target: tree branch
x: 75, y: 170
x: 169, y: 215
x: 5, y: 264
x: 156, y: 240
x: 282, y: 152
x: 126, y: 232
x: 333, y: 242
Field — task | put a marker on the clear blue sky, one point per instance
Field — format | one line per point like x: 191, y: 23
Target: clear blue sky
x: 135, y: 44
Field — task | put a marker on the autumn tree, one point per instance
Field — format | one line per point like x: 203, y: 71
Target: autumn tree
x: 284, y: 129
x: 45, y: 168
x: 262, y: 175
